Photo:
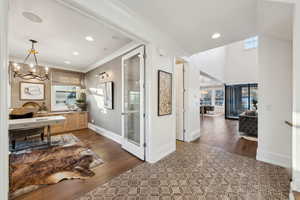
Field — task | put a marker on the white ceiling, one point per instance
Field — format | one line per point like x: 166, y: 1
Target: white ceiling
x: 276, y: 19
x: 193, y: 22
x: 62, y: 32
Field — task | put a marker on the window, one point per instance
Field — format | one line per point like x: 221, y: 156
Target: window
x: 219, y: 97
x: 63, y: 97
x: 251, y: 43
x: 134, y: 97
x: 240, y: 98
x: 206, y: 100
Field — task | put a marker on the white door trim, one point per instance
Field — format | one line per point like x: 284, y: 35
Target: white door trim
x: 138, y: 151
x: 4, y: 183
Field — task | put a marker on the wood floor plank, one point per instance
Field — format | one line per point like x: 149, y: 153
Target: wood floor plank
x: 215, y: 131
x: 116, y: 161
x: 223, y: 133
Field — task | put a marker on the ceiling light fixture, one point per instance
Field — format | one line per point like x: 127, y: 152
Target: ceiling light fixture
x: 67, y: 62
x: 216, y: 36
x: 31, y: 74
x: 114, y: 37
x: 89, y: 38
x: 32, y: 17
x: 75, y: 53
x: 102, y: 75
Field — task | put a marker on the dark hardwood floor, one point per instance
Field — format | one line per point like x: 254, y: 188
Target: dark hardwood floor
x: 222, y: 133
x: 216, y: 131
x: 116, y: 161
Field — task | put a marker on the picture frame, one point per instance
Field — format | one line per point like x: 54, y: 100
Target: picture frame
x: 32, y: 91
x: 165, y: 103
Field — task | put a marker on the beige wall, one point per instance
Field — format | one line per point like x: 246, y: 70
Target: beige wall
x: 106, y: 118
x: 72, y: 78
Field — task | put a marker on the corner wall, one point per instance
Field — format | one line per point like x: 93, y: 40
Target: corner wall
x: 275, y: 101
x: 161, y: 130
x: 192, y: 102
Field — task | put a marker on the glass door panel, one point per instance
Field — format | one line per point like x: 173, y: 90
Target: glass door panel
x: 132, y: 99
x: 133, y: 102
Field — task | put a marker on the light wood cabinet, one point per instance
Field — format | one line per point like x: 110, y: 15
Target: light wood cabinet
x: 74, y: 121
x: 82, y: 121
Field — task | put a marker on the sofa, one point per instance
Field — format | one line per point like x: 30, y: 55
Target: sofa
x: 248, y: 123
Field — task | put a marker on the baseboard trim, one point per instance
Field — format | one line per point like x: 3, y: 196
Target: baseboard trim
x: 273, y: 158
x: 106, y: 133
x: 291, y: 196
x: 295, y: 186
x: 192, y: 136
x: 162, y: 152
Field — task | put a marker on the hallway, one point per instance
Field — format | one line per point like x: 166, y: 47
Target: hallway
x: 222, y: 133
x: 198, y: 171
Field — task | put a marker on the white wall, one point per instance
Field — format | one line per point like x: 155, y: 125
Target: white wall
x: 231, y: 64
x: 4, y: 103
x: 211, y: 62
x: 296, y: 101
x: 161, y: 130
x: 275, y: 101
x: 241, y: 64
x: 192, y: 101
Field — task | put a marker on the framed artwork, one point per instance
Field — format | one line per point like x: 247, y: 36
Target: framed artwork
x: 109, y: 95
x: 32, y: 91
x: 164, y: 93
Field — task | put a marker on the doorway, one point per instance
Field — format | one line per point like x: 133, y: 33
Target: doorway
x: 133, y: 103
x: 180, y: 92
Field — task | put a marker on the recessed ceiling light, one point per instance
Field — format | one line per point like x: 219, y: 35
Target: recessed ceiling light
x: 89, y: 38
x: 67, y: 62
x: 115, y: 37
x: 216, y: 35
x: 75, y: 53
x: 32, y: 17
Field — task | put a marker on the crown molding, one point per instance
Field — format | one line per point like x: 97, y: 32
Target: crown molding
x: 119, y: 52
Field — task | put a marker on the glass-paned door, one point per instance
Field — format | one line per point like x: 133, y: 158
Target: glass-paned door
x: 133, y: 102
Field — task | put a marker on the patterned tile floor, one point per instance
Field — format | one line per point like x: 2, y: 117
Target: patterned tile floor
x: 198, y: 172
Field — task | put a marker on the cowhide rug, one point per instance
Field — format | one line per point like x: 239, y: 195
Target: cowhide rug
x: 31, y: 169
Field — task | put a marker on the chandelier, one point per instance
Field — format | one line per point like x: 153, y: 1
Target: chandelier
x: 31, y: 74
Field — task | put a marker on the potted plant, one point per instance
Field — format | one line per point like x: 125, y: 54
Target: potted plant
x: 81, y: 99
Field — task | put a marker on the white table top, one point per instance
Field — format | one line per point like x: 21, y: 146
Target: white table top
x: 35, y: 122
